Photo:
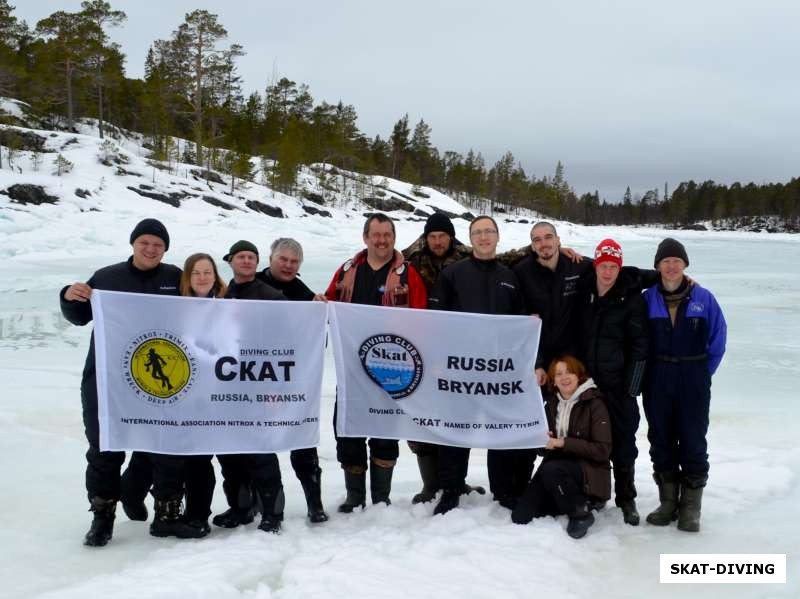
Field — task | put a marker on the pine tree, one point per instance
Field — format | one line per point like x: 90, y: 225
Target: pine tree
x: 99, y: 14
x: 399, y: 144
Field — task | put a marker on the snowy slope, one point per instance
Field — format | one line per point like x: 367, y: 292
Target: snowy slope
x: 398, y: 551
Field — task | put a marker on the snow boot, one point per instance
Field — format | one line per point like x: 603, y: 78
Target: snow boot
x: 102, y: 526
x: 580, y: 521
x: 667, y: 511
x: 272, y: 502
x: 136, y: 511
x: 448, y: 501
x: 168, y: 522
x: 356, y: 485
x: 625, y: 494
x: 313, y: 491
x: 429, y: 473
x: 380, y: 483
x: 233, y: 517
x: 690, y: 504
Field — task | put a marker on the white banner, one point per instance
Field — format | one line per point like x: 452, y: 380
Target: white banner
x: 442, y: 377
x: 187, y: 375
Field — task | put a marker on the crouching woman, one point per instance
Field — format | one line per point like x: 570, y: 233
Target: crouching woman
x: 575, y: 471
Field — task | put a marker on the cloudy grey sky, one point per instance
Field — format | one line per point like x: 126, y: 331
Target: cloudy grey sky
x: 624, y: 92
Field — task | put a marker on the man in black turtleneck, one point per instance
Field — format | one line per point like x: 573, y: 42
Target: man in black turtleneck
x: 261, y: 470
x: 481, y: 284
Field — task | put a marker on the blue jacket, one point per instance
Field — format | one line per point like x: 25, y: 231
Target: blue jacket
x: 700, y: 330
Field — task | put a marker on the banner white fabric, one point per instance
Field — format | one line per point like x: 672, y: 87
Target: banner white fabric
x: 187, y: 375
x: 442, y: 377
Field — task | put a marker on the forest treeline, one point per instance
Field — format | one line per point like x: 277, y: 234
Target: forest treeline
x: 66, y: 67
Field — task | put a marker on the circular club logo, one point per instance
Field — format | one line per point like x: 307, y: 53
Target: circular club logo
x: 158, y: 367
x: 393, y: 363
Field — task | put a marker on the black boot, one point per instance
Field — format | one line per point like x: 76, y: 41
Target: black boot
x: 168, y: 522
x: 667, y: 511
x: 247, y: 505
x: 102, y: 526
x: 579, y: 521
x: 625, y: 493
x: 448, y: 501
x: 272, y: 502
x: 473, y: 488
x: 135, y: 483
x: 380, y: 483
x: 356, y: 485
x: 429, y: 473
x: 313, y: 492
x: 690, y: 504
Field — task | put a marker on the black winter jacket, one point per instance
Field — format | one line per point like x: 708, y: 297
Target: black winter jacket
x: 614, y: 332
x: 164, y: 279
x: 553, y: 296
x: 473, y: 285
x: 253, y: 290
x: 294, y: 290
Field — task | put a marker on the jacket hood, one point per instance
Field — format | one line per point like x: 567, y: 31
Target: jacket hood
x: 587, y: 384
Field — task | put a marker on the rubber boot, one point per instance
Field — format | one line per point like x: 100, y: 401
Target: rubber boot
x: 625, y: 493
x: 667, y: 511
x: 356, y: 485
x: 102, y: 526
x: 429, y: 473
x: 448, y: 501
x: 272, y: 502
x: 380, y: 483
x: 690, y: 504
x: 313, y: 491
x: 580, y: 521
x: 168, y: 522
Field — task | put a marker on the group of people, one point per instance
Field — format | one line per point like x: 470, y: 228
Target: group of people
x: 602, y: 342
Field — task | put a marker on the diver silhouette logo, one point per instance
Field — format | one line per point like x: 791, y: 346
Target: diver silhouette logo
x: 160, y: 367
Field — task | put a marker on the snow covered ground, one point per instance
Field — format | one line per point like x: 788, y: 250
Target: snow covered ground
x: 401, y: 550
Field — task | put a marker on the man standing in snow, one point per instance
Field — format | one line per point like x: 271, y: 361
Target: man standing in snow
x: 241, y: 471
x: 613, y: 342
x: 687, y: 342
x: 433, y: 251
x: 143, y: 272
x: 376, y: 276
x: 549, y: 282
x: 482, y: 285
x: 286, y: 256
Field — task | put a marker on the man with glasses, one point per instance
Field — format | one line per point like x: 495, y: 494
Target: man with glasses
x: 482, y: 285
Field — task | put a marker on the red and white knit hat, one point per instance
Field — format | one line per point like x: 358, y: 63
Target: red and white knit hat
x: 608, y: 250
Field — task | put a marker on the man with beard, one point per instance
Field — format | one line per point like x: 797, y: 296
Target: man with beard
x: 376, y: 276
x: 436, y: 249
x: 286, y: 256
x: 482, y: 285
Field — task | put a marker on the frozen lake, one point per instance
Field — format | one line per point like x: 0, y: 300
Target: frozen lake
x: 400, y: 551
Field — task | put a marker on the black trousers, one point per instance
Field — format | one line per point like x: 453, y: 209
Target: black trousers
x: 624, y: 414
x: 102, y: 467
x: 352, y: 451
x: 243, y: 472
x: 556, y: 488
x: 509, y: 469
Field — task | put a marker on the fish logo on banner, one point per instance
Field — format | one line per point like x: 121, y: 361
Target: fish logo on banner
x: 393, y: 363
x: 158, y: 367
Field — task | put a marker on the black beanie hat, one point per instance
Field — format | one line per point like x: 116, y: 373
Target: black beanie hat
x: 240, y: 246
x: 151, y: 226
x: 439, y: 222
x: 670, y: 248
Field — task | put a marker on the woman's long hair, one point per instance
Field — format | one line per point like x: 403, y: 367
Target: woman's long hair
x: 219, y: 288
